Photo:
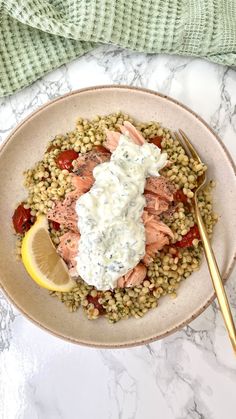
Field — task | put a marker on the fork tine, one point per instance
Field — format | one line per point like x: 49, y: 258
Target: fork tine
x: 192, y: 150
x: 182, y: 142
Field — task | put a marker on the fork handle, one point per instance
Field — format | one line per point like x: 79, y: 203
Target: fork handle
x: 216, y: 278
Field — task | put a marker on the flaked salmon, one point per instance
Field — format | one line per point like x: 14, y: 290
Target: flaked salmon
x: 157, y: 236
x: 133, y: 133
x: 84, y: 164
x: 158, y: 193
x: 68, y: 248
x: 64, y: 212
x: 154, y: 204
x: 161, y: 187
x: 153, y: 248
x: 155, y: 228
x: 134, y: 277
x: 82, y: 184
x: 112, y: 140
x: 127, y: 129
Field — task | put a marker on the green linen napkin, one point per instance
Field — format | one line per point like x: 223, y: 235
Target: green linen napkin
x: 37, y: 36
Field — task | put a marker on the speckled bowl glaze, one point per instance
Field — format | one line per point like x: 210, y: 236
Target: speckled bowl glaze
x: 26, y: 145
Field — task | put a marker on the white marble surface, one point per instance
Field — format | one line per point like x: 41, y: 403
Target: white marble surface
x: 191, y: 374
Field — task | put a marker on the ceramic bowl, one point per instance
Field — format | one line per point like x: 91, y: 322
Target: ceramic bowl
x: 26, y: 145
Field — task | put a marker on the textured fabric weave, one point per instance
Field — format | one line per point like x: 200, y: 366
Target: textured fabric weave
x: 37, y: 36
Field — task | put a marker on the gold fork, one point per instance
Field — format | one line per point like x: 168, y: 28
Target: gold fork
x: 210, y: 257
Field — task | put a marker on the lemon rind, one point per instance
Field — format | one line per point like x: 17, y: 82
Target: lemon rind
x: 32, y: 270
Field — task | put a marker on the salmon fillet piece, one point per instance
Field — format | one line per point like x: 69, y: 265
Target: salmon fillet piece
x: 154, y: 204
x: 127, y: 128
x: 157, y: 236
x: 64, y: 212
x: 84, y: 164
x: 152, y: 249
x: 155, y: 228
x: 134, y: 277
x: 161, y: 187
x: 68, y: 249
x: 82, y: 184
x: 159, y: 194
x: 112, y: 140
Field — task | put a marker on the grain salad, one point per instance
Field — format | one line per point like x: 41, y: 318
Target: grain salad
x: 49, y: 182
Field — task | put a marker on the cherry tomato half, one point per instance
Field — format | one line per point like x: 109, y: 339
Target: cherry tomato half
x: 180, y: 197
x: 97, y: 305
x: 21, y: 219
x: 156, y: 140
x: 187, y: 240
x: 55, y: 225
x: 65, y: 158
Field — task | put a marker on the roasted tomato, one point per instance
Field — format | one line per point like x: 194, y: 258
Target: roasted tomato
x: 65, y: 158
x: 187, y: 240
x: 21, y: 219
x: 156, y: 140
x: 180, y: 197
x: 95, y: 302
x: 55, y: 225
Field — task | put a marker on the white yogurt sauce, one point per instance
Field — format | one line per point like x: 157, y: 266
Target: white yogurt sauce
x: 112, y: 232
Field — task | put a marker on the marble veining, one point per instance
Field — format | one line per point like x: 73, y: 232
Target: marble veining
x: 191, y: 374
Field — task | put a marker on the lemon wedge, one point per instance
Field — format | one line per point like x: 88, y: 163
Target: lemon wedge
x: 41, y: 260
